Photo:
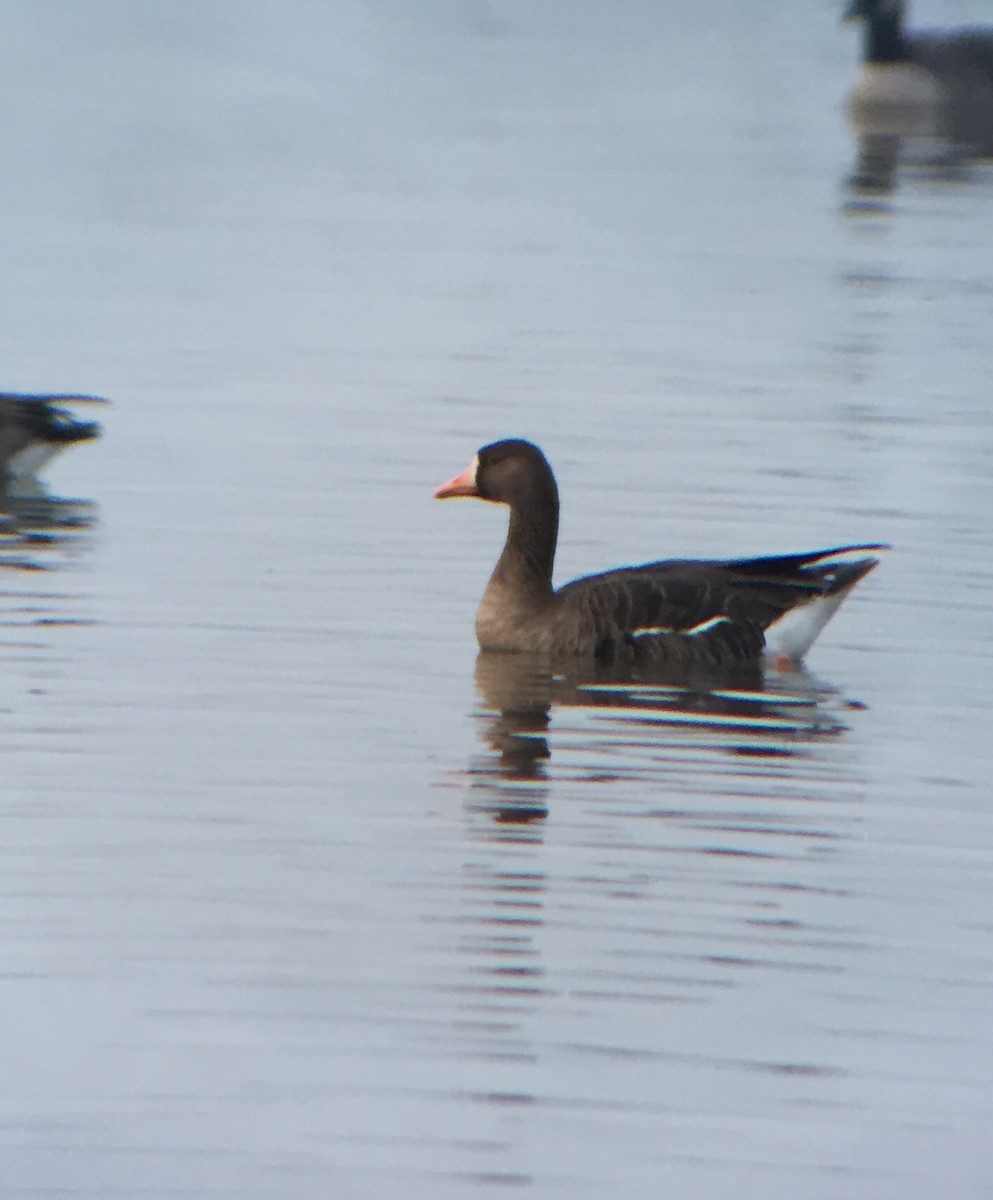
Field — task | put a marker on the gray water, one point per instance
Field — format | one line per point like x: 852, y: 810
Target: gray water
x: 297, y: 898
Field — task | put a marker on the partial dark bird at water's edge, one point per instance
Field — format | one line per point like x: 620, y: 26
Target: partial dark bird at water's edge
x: 36, y: 426
x: 935, y: 83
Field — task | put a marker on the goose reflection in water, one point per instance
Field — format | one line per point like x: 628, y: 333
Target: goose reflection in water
x: 603, y: 726
x: 34, y: 524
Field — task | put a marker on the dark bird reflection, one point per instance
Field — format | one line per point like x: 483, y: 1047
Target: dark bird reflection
x: 36, y: 532
x: 602, y: 725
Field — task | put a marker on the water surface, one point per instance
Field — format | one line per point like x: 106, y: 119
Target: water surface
x: 299, y: 898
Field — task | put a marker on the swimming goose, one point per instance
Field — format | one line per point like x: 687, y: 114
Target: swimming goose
x: 929, y: 84
x: 718, y: 614
x: 33, y: 428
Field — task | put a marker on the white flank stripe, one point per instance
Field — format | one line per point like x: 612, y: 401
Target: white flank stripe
x: 693, y: 631
x: 706, y: 626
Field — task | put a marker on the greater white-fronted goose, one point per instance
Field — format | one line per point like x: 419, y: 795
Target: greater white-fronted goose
x: 33, y: 428
x: 680, y: 612
x: 932, y: 83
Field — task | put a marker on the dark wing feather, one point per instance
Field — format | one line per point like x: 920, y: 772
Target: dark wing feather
x: 645, y: 613
x: 673, y: 595
x: 766, y: 588
x: 677, y: 597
